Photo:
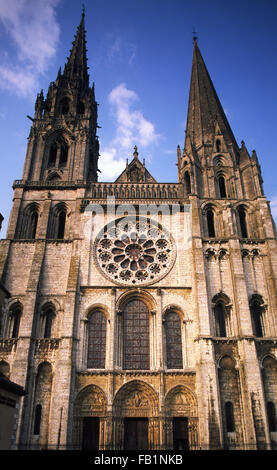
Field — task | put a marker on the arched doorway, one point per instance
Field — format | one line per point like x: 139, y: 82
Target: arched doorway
x: 90, y: 409
x: 181, y: 421
x: 136, y: 417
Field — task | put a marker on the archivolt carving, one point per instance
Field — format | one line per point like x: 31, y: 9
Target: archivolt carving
x: 180, y: 401
x: 136, y: 399
x: 91, y: 401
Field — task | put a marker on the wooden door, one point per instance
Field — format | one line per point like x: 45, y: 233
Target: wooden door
x: 90, y: 433
x: 180, y: 434
x: 136, y: 434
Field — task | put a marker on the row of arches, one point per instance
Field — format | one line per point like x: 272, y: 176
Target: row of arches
x: 10, y: 324
x: 134, y: 324
x: 140, y: 191
x: 29, y: 221
x: 213, y: 225
x: 220, y: 178
x: 222, y: 310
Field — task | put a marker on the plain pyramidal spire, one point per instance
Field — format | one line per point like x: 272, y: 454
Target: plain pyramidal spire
x: 205, y: 111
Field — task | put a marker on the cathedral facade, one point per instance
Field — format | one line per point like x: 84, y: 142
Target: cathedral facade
x: 142, y: 315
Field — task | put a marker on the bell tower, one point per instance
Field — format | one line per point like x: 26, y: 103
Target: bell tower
x: 63, y: 145
x: 62, y: 153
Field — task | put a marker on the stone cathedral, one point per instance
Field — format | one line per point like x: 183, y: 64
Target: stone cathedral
x: 142, y: 314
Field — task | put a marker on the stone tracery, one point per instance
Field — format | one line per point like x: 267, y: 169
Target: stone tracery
x: 130, y: 251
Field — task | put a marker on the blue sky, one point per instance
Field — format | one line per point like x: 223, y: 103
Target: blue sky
x: 140, y: 55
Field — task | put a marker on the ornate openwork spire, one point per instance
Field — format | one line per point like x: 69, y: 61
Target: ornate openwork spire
x: 76, y: 68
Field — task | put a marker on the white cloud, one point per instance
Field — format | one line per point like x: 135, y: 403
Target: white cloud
x: 119, y: 50
x: 131, y: 128
x: 33, y: 31
x: 110, y: 164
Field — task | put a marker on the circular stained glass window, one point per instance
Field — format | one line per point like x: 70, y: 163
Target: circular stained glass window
x: 134, y: 251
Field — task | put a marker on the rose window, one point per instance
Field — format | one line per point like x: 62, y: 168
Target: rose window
x: 134, y: 252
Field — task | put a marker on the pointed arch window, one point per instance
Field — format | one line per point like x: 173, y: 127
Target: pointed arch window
x: 58, y: 153
x: 210, y: 223
x: 173, y: 332
x: 220, y: 319
x: 97, y: 332
x: 218, y: 145
x: 187, y: 182
x: 242, y: 222
x: 48, y: 323
x: 63, y: 154
x: 222, y: 186
x: 61, y: 224
x: 52, y: 154
x: 57, y: 222
x: 136, y: 350
x: 29, y: 222
x: 33, y: 224
x: 14, y: 323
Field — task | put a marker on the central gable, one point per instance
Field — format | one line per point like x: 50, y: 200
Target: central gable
x: 135, y: 172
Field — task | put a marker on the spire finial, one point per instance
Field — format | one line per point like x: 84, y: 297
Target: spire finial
x: 194, y: 36
x: 135, y: 152
x: 83, y: 9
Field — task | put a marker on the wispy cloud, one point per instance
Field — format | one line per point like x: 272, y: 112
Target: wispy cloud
x: 119, y: 50
x: 131, y: 128
x: 33, y: 32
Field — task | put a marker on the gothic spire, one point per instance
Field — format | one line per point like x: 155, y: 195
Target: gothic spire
x: 205, y: 112
x: 76, y: 68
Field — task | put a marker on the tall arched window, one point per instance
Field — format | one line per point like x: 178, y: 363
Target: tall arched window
x: 57, y: 222
x: 15, y: 317
x: 63, y: 154
x: 218, y: 145
x: 52, y: 154
x: 136, y: 351
x: 61, y: 224
x: 229, y: 416
x: 242, y: 222
x: 174, y: 358
x: 210, y: 223
x: 257, y: 318
x: 48, y: 317
x: 96, y: 356
x: 33, y: 224
x: 58, y: 152
x: 222, y: 186
x: 220, y: 319
x: 29, y: 222
x: 187, y: 182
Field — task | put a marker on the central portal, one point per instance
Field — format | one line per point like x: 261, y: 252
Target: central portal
x: 136, y: 434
